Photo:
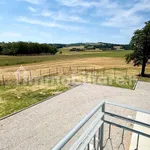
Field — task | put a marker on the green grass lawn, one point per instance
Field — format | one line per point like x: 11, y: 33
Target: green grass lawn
x: 17, y: 60
x: 119, y: 80
x: 15, y: 98
x: 145, y: 79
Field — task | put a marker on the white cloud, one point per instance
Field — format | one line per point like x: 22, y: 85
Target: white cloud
x: 33, y: 1
x: 32, y: 9
x: 124, y: 16
x: 128, y: 17
x: 129, y: 31
x: 83, y: 3
x: 47, y: 24
x: 116, y: 14
x: 62, y: 16
x: 10, y: 34
x: 142, y: 5
x: 123, y: 20
x: 46, y: 13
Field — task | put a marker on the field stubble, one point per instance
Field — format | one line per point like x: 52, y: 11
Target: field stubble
x: 16, y: 97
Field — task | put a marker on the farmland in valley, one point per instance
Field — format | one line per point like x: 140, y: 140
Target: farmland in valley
x: 16, y: 97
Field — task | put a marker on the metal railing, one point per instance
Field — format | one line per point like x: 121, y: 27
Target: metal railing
x: 93, y: 137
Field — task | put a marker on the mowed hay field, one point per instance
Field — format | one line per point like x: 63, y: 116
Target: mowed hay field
x: 11, y: 63
x: 43, y: 63
x: 16, y: 97
x: 66, y: 55
x: 37, y: 64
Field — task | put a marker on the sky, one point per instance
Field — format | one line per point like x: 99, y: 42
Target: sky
x: 72, y: 21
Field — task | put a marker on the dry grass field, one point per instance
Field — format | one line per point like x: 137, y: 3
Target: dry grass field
x: 110, y: 65
x: 98, y: 60
x: 44, y: 67
x: 104, y: 62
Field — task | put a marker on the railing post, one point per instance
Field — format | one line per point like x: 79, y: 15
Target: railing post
x: 102, y: 129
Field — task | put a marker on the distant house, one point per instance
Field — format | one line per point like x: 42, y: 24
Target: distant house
x: 117, y: 47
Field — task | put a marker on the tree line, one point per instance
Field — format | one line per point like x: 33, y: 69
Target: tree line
x: 101, y: 45
x: 106, y: 46
x: 26, y: 48
x: 59, y: 45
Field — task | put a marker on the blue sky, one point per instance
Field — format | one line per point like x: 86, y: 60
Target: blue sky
x: 69, y: 21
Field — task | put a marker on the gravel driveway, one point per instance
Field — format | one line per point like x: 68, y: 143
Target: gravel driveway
x: 42, y: 126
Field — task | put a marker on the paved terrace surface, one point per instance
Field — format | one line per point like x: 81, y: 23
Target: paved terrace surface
x: 42, y: 126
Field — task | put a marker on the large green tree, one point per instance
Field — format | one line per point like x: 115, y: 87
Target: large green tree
x: 140, y: 42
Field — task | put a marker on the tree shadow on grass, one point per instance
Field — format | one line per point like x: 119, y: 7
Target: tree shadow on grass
x: 145, y: 78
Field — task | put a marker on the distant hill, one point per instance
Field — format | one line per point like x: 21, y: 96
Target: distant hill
x: 58, y: 45
x: 101, y: 45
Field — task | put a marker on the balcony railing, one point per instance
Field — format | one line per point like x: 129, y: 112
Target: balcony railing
x: 93, y: 137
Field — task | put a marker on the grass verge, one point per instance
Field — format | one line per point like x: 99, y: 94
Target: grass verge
x: 145, y: 79
x: 15, y: 98
x: 116, y: 77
